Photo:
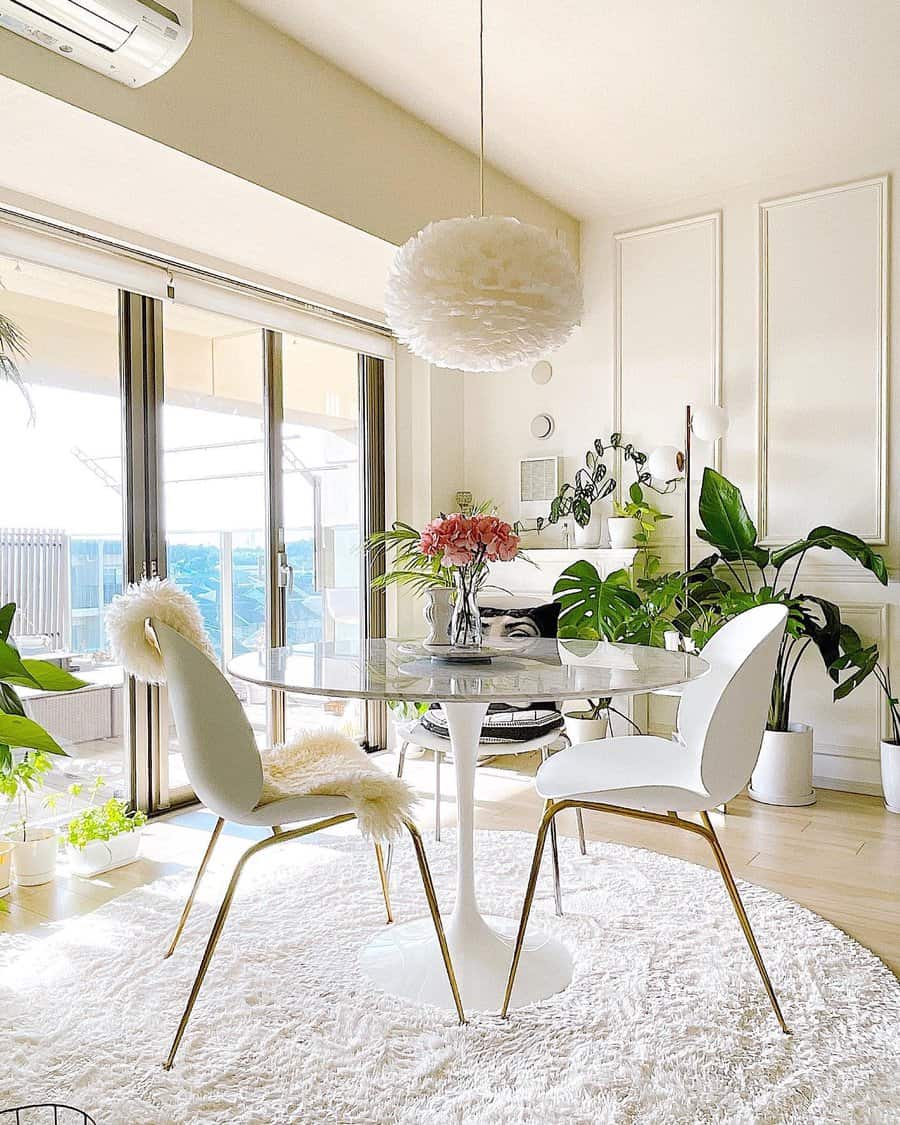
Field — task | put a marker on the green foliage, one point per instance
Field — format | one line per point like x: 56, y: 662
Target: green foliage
x: 594, y: 608
x: 14, y: 347
x: 639, y: 508
x: 812, y: 620
x: 17, y: 731
x: 102, y: 823
x: 593, y: 482
x: 405, y: 711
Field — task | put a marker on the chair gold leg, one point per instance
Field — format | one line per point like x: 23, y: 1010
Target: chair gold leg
x: 382, y: 875
x: 738, y: 904
x: 554, y: 852
x: 550, y: 812
x: 430, y: 895
x: 276, y: 830
x: 579, y: 817
x: 221, y: 917
x: 216, y: 832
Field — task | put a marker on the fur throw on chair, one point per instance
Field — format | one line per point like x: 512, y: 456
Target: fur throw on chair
x: 326, y: 763
x: 126, y: 617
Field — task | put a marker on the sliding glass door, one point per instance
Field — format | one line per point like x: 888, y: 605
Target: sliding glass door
x: 187, y: 428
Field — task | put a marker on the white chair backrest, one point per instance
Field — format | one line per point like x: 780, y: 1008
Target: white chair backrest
x: 214, y: 736
x: 722, y: 715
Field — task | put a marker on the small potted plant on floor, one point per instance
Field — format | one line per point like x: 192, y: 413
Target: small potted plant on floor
x: 24, y: 746
x: 862, y: 660
x: 102, y: 837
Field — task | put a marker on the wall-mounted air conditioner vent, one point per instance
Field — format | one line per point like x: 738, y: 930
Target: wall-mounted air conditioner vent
x: 132, y: 41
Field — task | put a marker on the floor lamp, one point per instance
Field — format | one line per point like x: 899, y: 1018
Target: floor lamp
x: 667, y: 463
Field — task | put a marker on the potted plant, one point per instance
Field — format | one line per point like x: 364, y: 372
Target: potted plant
x: 783, y: 773
x: 103, y: 837
x: 24, y: 746
x: 579, y: 499
x: 634, y: 523
x: 863, y: 661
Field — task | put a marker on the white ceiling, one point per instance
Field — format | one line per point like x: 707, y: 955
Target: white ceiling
x: 607, y: 107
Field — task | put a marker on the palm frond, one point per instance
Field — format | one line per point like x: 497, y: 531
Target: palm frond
x: 13, y: 346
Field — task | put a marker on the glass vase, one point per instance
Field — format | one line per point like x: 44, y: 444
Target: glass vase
x: 465, y: 624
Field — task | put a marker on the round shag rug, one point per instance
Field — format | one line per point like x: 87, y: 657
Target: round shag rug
x: 665, y: 1022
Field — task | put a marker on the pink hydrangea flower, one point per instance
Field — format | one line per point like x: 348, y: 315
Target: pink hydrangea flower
x: 461, y: 540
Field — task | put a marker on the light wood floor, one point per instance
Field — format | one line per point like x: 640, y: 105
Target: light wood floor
x: 840, y: 857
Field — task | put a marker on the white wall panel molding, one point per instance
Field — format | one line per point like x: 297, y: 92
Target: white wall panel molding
x: 823, y: 331
x: 667, y: 337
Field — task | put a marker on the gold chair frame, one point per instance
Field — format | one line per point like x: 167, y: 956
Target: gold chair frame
x: 704, y: 829
x: 280, y: 836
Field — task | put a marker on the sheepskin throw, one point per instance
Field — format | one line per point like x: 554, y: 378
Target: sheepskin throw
x: 327, y: 763
x: 163, y: 600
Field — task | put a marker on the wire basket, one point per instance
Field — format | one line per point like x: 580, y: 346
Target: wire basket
x: 45, y: 1113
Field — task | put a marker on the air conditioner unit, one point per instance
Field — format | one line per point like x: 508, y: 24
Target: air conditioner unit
x: 132, y: 41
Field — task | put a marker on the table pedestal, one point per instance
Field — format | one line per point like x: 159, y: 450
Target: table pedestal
x: 405, y: 959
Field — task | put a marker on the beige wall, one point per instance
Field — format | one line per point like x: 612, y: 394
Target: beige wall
x: 821, y: 457
x: 250, y: 100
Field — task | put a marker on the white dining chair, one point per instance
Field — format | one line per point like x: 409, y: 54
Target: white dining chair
x: 707, y: 762
x: 222, y: 761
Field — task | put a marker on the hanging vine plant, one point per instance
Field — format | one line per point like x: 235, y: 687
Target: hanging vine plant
x: 593, y: 482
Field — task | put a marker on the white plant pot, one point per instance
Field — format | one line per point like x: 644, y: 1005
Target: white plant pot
x: 890, y: 776
x: 34, y: 858
x: 783, y: 773
x: 6, y: 853
x: 622, y: 530
x: 580, y: 728
x: 589, y: 535
x: 103, y: 855
x: 438, y: 612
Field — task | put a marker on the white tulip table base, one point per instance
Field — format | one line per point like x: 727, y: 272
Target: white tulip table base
x: 664, y: 1021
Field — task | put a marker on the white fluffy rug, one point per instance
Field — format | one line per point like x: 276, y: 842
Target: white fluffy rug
x: 666, y: 1021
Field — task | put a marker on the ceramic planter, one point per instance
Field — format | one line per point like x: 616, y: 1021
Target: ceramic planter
x: 438, y: 612
x: 581, y: 728
x: 622, y: 530
x: 783, y: 772
x: 890, y: 776
x: 34, y: 858
x: 6, y: 852
x: 589, y: 535
x: 103, y: 855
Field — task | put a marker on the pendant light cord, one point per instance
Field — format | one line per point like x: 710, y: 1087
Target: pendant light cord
x: 481, y: 92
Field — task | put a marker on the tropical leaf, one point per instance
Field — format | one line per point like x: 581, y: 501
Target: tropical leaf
x: 726, y: 521
x: 12, y: 670
x: 16, y: 730
x: 828, y: 538
x: 590, y: 602
x: 7, y: 613
x: 50, y: 677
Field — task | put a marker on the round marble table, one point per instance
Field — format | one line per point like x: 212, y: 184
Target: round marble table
x: 404, y: 959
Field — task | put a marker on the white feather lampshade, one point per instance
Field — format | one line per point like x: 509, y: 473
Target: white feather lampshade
x: 483, y: 294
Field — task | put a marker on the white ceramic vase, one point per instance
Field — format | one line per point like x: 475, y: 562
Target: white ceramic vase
x: 783, y: 772
x: 34, y: 858
x: 890, y: 775
x: 580, y: 727
x: 438, y: 613
x: 103, y: 855
x: 6, y: 852
x: 589, y: 535
x: 621, y: 530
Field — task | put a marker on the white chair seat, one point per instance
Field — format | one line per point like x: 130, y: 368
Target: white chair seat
x: 416, y: 735
x: 633, y: 771
x: 293, y: 810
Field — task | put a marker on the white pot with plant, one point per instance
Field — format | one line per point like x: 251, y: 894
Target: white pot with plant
x: 102, y: 837
x: 24, y: 746
x: 783, y: 773
x: 634, y: 521
x: 863, y: 660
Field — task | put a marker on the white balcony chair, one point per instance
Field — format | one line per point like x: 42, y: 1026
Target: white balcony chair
x: 415, y: 734
x: 707, y: 762
x: 224, y: 767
